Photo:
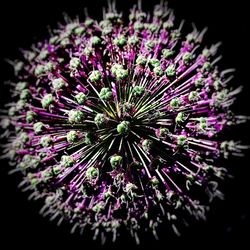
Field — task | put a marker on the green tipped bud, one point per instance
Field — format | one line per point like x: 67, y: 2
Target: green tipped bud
x: 100, y: 120
x: 181, y: 140
x: 193, y: 96
x: 206, y: 67
x: 120, y: 41
x: 130, y: 187
x: 167, y: 53
x: 76, y: 116
x: 154, y: 181
x: 89, y: 138
x: 175, y: 103
x: 141, y: 60
x: 115, y: 161
x: 187, y: 57
x: 24, y: 137
x: 168, y: 24
x: 95, y: 40
x: 158, y: 71
x: 49, y: 67
x: 138, y: 26
x: 105, y: 94
x: 30, y: 116
x: 72, y: 136
x: 170, y: 71
x: 123, y: 127
x: 92, y: 173
x: 74, y: 63
x: 180, y: 118
x: 95, y: 76
x: 58, y: 84
x: 46, y: 141
x: 39, y: 70
x: 67, y: 161
x: 89, y: 22
x: 133, y: 40
x: 150, y: 45
x: 81, y: 98
x: 79, y: 31
x: 147, y: 145
x: 47, y: 100
x: 38, y: 127
x: 25, y: 94
x: 21, y: 86
x: 12, y: 111
x: 154, y: 62
x: 43, y: 54
x: 138, y: 91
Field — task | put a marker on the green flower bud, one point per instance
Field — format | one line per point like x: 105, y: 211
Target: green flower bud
x: 141, y: 60
x: 79, y: 31
x: 170, y: 71
x: 46, y: 141
x: 180, y: 118
x: 105, y: 94
x: 100, y: 120
x: 39, y: 70
x: 158, y: 71
x: 133, y: 40
x: 187, y: 57
x: 193, y: 96
x: 98, y: 207
x: 58, y: 84
x: 89, y: 22
x: 95, y: 40
x: 49, y: 67
x: 150, y: 45
x: 76, y: 116
x: 12, y: 111
x: 147, y: 145
x: 89, y: 138
x: 92, y: 173
x: 123, y: 127
x: 206, y: 67
x: 175, y: 103
x: 167, y: 53
x: 30, y: 116
x: 95, y: 76
x: 19, y: 66
x: 43, y: 54
x: 154, y: 181
x: 21, y: 86
x: 72, y: 136
x: 38, y: 127
x: 168, y: 24
x: 74, y: 63
x: 138, y: 91
x: 120, y: 41
x: 67, y: 161
x: 81, y: 98
x: 47, y: 100
x: 24, y: 137
x: 181, y: 140
x: 138, y: 26
x: 115, y: 161
x: 154, y: 62
x: 25, y: 94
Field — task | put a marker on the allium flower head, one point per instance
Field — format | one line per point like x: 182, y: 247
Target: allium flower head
x: 118, y: 123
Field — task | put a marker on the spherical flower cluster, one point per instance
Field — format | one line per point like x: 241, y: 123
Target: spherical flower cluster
x: 118, y: 123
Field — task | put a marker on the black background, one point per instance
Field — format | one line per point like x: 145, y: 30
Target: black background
x: 23, y: 22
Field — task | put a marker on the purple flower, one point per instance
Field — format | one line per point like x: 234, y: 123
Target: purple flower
x: 118, y: 124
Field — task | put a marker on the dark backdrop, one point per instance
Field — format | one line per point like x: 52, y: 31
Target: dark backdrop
x: 228, y: 222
